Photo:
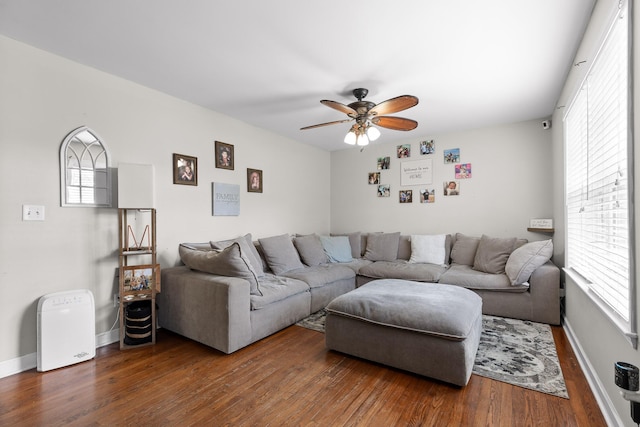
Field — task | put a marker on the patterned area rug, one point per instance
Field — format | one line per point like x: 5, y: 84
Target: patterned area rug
x: 514, y: 351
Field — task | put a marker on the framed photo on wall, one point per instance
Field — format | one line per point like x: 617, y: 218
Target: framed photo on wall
x: 254, y: 180
x: 374, y: 178
x: 452, y: 155
x: 463, y: 170
x: 384, y: 190
x: 224, y: 155
x: 185, y: 169
x: 406, y: 196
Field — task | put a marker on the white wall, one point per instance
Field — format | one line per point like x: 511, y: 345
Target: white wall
x: 598, y: 342
x: 43, y: 98
x: 510, y: 184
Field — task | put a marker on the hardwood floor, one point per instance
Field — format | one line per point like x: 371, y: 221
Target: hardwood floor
x: 286, y: 379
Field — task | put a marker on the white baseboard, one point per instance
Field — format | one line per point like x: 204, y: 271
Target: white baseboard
x: 609, y: 412
x: 17, y: 365
x: 30, y: 361
x: 107, y: 338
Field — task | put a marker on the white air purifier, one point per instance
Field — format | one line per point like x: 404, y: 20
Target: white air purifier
x: 66, y: 329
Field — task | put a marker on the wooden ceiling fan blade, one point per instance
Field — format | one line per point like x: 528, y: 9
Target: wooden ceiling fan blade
x: 326, y: 124
x: 394, y: 105
x: 395, y: 123
x: 340, y: 107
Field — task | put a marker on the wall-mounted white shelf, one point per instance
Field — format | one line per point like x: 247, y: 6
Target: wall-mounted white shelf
x: 542, y: 230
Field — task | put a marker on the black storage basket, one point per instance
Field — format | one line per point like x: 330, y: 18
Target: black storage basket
x: 138, y: 323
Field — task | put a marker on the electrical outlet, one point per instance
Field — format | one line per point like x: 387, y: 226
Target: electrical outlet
x: 32, y: 213
x: 115, y: 300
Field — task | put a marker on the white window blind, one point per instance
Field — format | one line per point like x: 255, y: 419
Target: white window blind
x: 597, y: 174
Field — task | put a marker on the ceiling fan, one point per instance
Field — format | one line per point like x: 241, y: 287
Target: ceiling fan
x: 366, y: 113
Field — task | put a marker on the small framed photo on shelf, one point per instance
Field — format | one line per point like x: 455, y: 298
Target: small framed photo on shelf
x: 254, y: 180
x: 224, y: 155
x: 138, y: 277
x: 541, y: 223
x: 185, y: 169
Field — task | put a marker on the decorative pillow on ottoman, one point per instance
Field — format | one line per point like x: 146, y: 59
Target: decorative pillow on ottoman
x: 280, y: 254
x: 493, y: 253
x: 526, y: 259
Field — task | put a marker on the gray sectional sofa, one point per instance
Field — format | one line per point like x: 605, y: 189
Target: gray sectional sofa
x: 232, y: 293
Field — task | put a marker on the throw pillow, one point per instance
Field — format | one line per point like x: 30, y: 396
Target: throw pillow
x: 464, y: 249
x: 493, y: 253
x: 248, y: 248
x: 526, y: 259
x: 310, y: 250
x: 280, y: 254
x: 222, y: 262
x: 382, y: 246
x: 428, y: 249
x: 337, y: 248
x: 355, y: 241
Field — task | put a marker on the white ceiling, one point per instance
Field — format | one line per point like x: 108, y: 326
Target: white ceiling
x: 269, y: 63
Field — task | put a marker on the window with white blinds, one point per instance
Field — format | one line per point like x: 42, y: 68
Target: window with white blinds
x: 597, y: 152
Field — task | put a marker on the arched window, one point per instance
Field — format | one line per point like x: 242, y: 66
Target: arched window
x: 85, y: 177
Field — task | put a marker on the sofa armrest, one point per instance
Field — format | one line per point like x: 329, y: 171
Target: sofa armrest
x: 213, y: 310
x: 544, y: 286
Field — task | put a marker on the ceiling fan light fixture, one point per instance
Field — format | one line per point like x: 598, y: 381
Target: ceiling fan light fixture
x: 372, y: 133
x: 366, y: 114
x: 350, y: 138
x: 362, y: 140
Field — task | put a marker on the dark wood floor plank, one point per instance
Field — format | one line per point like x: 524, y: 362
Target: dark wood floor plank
x: 288, y: 378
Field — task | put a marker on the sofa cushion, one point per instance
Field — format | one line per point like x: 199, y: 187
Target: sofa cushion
x: 229, y: 261
x: 246, y: 244
x: 280, y: 253
x: 401, y: 269
x: 428, y: 249
x: 276, y: 288
x: 467, y: 277
x: 526, y: 259
x: 357, y: 264
x: 382, y: 246
x: 355, y: 241
x: 321, y: 275
x: 493, y: 253
x: 310, y: 249
x: 337, y: 248
x: 464, y: 249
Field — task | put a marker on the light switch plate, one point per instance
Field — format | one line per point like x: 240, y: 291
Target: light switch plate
x: 32, y: 213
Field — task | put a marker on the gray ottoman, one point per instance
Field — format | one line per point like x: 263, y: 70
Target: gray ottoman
x: 426, y: 328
